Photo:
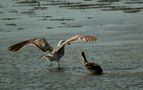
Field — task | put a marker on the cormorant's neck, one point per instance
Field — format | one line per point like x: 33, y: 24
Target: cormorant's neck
x: 84, y: 58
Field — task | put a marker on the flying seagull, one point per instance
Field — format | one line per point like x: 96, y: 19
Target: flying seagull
x: 91, y: 66
x: 55, y: 54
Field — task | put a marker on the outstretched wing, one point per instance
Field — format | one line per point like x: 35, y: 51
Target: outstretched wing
x: 86, y: 38
x: 40, y: 43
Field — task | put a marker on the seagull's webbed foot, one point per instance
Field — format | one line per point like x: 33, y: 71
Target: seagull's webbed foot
x: 59, y: 65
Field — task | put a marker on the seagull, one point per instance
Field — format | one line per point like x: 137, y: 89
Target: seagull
x: 91, y: 66
x: 54, y: 54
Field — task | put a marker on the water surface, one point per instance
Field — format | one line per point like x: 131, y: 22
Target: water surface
x: 118, y: 25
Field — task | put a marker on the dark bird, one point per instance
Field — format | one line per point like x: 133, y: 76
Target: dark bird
x: 55, y: 54
x: 91, y: 66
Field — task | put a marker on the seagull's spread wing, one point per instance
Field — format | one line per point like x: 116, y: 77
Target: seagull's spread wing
x: 40, y: 43
x: 86, y: 38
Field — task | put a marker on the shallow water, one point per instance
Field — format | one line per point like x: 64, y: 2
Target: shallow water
x: 118, y: 49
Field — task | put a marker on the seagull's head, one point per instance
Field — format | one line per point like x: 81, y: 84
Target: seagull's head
x: 61, y: 42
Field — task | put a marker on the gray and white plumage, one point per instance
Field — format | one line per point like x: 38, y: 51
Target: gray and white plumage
x: 55, y: 54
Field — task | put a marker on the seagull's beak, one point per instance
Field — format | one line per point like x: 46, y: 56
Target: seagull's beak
x: 41, y: 57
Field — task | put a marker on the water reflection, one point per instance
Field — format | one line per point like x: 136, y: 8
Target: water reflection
x: 56, y: 69
x: 105, y: 5
x: 108, y: 0
x: 29, y: 1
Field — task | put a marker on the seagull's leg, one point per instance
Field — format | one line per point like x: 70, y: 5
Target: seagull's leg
x: 59, y: 64
x: 50, y: 63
